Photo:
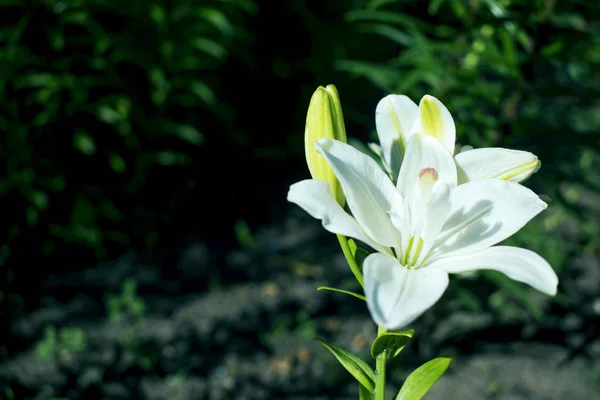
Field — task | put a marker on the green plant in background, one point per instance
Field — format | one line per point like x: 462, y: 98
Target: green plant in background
x: 60, y: 342
x: 99, y: 95
x: 126, y: 309
x: 126, y: 304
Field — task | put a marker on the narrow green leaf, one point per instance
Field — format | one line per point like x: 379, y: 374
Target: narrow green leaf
x: 359, y: 369
x: 423, y: 378
x: 353, y: 246
x: 211, y: 47
x: 359, y: 296
x: 360, y: 256
x: 388, y: 32
x: 83, y: 142
x: 393, y: 342
x: 364, y: 394
x: 358, y: 253
x: 510, y: 52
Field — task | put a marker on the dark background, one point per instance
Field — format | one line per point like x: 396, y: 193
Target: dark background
x: 148, y: 250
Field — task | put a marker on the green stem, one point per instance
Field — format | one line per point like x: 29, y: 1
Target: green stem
x: 354, y: 267
x: 380, y: 362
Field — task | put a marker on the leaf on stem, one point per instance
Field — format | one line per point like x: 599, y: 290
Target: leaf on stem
x: 359, y: 369
x: 423, y: 378
x: 358, y: 253
x: 364, y: 394
x: 393, y: 342
x: 359, y: 296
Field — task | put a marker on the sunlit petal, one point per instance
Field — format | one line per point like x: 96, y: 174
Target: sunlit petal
x: 519, y: 264
x: 495, y: 163
x: 315, y: 197
x: 436, y: 121
x: 394, y: 117
x: 369, y: 191
x: 425, y: 152
x: 396, y: 296
x: 484, y: 213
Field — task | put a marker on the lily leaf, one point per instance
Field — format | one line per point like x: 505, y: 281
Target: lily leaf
x: 359, y: 296
x: 423, y: 378
x: 358, y: 253
x: 357, y: 367
x: 364, y: 394
x: 393, y: 342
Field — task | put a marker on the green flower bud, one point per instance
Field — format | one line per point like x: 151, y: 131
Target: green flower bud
x: 324, y: 120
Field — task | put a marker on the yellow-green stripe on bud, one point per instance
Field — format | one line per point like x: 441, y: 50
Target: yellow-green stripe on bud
x: 324, y: 120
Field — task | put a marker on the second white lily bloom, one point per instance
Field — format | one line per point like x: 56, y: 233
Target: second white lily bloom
x: 398, y: 118
x: 424, y: 227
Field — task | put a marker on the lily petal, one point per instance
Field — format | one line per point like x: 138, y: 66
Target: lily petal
x: 315, y: 197
x: 395, y: 116
x: 396, y: 296
x: 495, y: 163
x: 437, y: 211
x: 519, y: 264
x: 369, y: 191
x: 484, y: 213
x: 425, y: 152
x: 436, y: 121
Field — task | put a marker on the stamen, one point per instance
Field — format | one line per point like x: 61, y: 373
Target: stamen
x: 428, y: 176
x: 417, y: 251
x: 408, y: 249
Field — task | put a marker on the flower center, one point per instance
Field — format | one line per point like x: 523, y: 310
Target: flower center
x: 418, y: 211
x: 411, y: 255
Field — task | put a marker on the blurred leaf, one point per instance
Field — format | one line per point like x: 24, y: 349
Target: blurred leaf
x: 359, y: 369
x: 84, y: 142
x: 385, y: 16
x: 108, y: 114
x: 210, y: 47
x: 169, y: 158
x: 116, y: 162
x: 157, y: 13
x: 217, y: 19
x: 514, y: 289
x: 244, y: 235
x: 388, y: 32
x: 359, y: 296
x: 203, y: 92
x: 379, y: 75
x: 188, y: 133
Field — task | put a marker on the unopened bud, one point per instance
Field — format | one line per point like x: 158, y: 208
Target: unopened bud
x: 324, y: 120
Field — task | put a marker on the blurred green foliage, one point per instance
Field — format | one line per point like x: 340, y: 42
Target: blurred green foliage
x: 61, y: 342
x: 126, y: 304
x: 98, y: 95
x: 110, y: 109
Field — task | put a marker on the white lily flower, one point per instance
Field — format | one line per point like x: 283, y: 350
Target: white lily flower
x: 423, y: 228
x: 398, y: 118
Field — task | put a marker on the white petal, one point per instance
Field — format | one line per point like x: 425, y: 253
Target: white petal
x: 369, y: 191
x: 436, y: 213
x: 484, y: 213
x: 425, y: 152
x: 315, y: 197
x: 396, y: 296
x: 495, y: 163
x: 394, y: 117
x: 436, y: 121
x: 519, y: 264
